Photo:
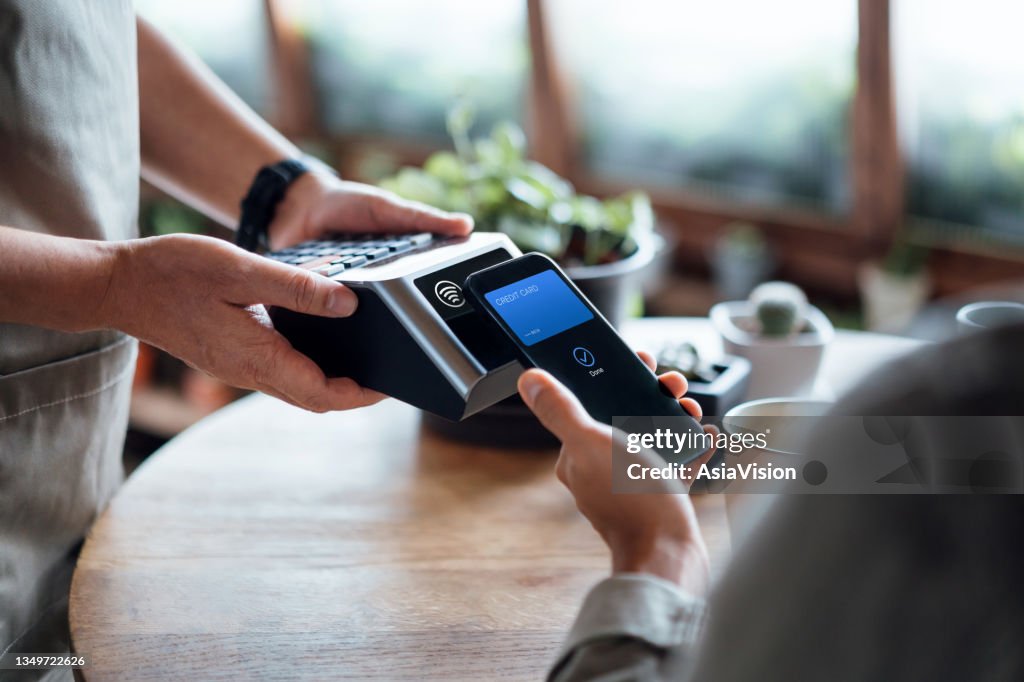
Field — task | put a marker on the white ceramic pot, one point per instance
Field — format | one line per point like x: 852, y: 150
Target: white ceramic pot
x: 780, y: 366
x: 736, y: 273
x: 890, y: 301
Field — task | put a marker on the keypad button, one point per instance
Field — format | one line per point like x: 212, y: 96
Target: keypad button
x: 399, y: 246
x: 326, y: 254
x: 334, y: 269
x: 354, y: 261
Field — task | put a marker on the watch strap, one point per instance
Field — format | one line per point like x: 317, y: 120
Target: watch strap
x: 260, y: 203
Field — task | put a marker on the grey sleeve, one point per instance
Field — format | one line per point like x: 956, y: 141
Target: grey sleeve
x: 631, y: 627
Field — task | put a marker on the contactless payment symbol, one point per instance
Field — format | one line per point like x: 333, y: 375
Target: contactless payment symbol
x: 583, y: 356
x: 449, y: 293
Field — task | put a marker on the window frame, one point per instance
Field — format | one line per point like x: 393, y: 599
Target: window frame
x: 818, y: 250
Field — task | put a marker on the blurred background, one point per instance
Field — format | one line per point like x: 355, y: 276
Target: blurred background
x: 870, y: 152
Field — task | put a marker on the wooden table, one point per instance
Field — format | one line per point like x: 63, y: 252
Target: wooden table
x: 271, y: 543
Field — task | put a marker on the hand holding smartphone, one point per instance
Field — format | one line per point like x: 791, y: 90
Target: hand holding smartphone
x: 554, y: 327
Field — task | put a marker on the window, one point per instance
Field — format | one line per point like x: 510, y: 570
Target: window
x: 961, y: 108
x: 745, y: 100
x: 229, y: 35
x: 396, y: 66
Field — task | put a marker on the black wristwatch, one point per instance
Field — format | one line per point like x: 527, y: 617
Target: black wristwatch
x: 265, y: 193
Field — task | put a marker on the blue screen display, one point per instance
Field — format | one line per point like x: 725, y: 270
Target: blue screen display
x: 538, y: 307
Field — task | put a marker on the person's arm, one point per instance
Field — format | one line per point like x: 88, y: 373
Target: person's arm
x: 642, y: 621
x: 632, y: 626
x: 203, y: 145
x: 54, y: 282
x: 200, y: 299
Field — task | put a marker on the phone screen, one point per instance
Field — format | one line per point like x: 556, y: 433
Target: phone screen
x: 555, y: 327
x: 539, y: 307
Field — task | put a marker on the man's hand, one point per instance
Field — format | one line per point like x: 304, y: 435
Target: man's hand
x: 317, y: 203
x: 202, y: 300
x: 650, y: 533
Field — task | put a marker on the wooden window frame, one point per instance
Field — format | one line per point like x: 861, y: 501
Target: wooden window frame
x: 819, y: 251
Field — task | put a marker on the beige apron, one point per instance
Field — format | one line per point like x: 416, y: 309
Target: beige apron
x: 69, y: 165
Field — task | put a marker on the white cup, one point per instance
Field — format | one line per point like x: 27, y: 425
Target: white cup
x: 744, y: 510
x: 974, y: 317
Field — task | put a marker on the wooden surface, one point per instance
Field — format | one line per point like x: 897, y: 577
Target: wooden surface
x: 270, y: 543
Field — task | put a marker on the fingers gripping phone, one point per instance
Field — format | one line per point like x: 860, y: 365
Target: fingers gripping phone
x: 554, y: 327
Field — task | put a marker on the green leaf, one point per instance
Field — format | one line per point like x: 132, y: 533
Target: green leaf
x: 459, y: 199
x: 460, y: 117
x: 446, y: 167
x: 744, y: 239
x: 414, y: 184
x: 510, y: 141
x: 492, y: 180
x: 588, y: 212
x: 528, y: 193
x: 560, y: 212
x: 530, y: 235
x: 491, y: 157
x: 618, y: 215
x: 489, y: 193
x: 460, y: 120
x: 555, y: 184
x: 643, y: 213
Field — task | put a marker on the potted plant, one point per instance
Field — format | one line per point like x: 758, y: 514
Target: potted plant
x: 895, y: 289
x: 740, y: 260
x: 605, y: 246
x: 716, y: 386
x: 782, y: 336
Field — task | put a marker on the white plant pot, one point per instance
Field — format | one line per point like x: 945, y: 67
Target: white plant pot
x: 736, y: 274
x: 890, y: 301
x: 780, y: 366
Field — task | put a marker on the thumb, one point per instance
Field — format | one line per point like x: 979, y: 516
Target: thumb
x: 557, y: 408
x: 303, y: 291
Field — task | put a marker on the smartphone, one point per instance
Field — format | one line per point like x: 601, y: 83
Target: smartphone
x: 553, y: 326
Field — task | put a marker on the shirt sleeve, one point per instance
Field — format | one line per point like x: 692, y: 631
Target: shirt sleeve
x: 630, y: 627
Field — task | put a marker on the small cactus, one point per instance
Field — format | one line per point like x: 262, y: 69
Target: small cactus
x: 779, y: 307
x: 777, y: 318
